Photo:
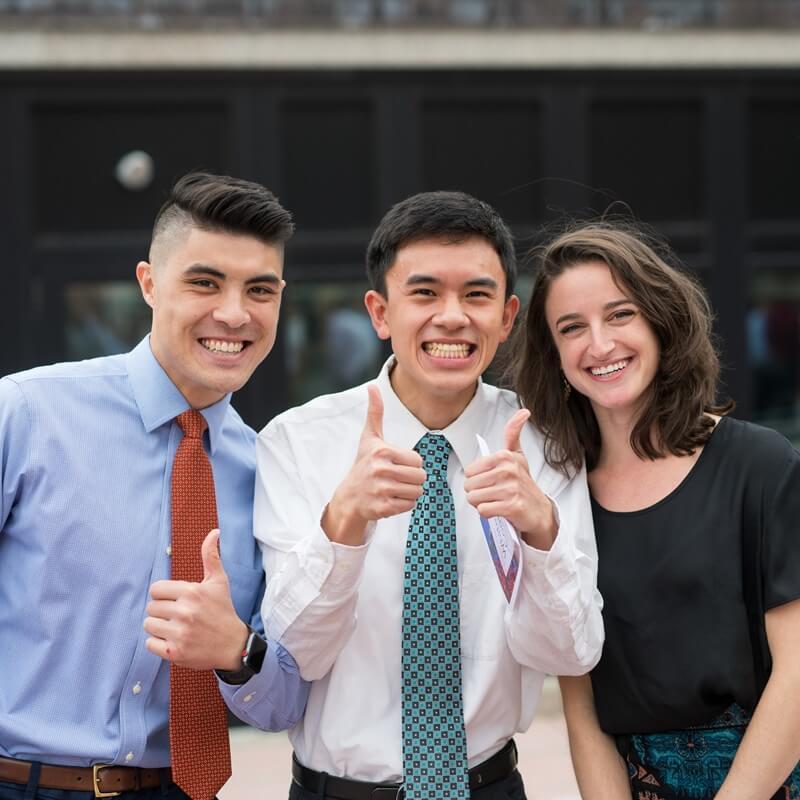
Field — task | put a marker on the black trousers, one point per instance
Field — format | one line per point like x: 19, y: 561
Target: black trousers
x: 510, y: 788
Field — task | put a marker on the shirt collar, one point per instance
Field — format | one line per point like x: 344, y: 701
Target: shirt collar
x: 403, y: 429
x: 159, y: 400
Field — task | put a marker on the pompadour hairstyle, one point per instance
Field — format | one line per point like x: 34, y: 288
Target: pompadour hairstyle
x: 229, y: 205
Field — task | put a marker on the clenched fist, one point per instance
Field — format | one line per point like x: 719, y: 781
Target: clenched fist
x: 383, y: 481
x: 500, y: 485
x: 195, y: 624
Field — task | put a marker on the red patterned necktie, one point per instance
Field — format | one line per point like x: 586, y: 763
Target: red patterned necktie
x: 198, y: 729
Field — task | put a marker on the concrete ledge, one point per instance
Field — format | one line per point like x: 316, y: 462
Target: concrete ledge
x: 291, y: 49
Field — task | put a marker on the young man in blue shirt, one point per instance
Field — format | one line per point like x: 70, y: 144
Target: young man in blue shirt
x: 86, y: 458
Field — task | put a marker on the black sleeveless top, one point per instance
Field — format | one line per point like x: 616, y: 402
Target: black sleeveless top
x: 677, y: 649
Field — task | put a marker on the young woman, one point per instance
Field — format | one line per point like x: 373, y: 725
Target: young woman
x: 697, y: 694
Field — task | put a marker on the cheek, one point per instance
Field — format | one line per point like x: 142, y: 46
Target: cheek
x: 568, y: 355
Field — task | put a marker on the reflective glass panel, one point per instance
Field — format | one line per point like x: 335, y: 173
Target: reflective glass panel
x: 330, y: 342
x: 103, y: 318
x: 773, y: 350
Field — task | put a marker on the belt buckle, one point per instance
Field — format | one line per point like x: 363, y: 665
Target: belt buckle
x: 96, y: 781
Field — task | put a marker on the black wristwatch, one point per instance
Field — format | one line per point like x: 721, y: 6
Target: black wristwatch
x: 255, y: 649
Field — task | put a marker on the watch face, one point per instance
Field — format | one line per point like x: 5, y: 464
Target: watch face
x: 256, y: 650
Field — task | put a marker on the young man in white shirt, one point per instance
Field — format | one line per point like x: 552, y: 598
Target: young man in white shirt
x: 338, y: 481
x: 366, y: 543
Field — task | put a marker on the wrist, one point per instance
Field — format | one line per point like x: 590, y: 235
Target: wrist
x: 250, y: 661
x: 233, y: 656
x: 542, y: 534
x: 342, y: 524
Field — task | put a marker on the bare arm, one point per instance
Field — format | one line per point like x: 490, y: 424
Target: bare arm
x: 770, y: 749
x: 599, y: 768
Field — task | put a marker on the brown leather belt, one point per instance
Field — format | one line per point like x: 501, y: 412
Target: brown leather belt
x: 495, y: 768
x: 104, y: 780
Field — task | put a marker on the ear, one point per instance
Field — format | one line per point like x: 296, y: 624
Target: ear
x: 144, y: 274
x: 510, y: 311
x: 377, y: 308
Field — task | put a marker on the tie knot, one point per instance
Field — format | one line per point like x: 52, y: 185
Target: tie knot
x: 435, y: 451
x: 192, y: 423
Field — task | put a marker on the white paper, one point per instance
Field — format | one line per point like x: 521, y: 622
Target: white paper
x: 504, y: 535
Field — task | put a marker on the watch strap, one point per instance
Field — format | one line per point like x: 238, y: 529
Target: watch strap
x: 255, y: 650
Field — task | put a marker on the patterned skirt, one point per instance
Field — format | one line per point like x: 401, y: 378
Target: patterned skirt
x: 691, y: 764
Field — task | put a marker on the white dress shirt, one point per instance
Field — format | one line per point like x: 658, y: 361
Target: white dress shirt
x: 338, y: 609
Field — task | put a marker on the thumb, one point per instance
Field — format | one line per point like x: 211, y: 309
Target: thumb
x: 212, y: 563
x: 374, y: 422
x: 513, y: 429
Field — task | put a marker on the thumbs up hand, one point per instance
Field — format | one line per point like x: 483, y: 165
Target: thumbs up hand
x: 195, y: 624
x: 500, y: 485
x: 383, y: 481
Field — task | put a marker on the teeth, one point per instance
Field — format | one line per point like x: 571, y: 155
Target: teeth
x: 609, y: 368
x: 218, y: 346
x: 443, y: 350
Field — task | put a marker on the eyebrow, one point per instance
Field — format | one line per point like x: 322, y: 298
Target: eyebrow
x: 205, y: 269
x: 418, y: 278
x: 606, y: 307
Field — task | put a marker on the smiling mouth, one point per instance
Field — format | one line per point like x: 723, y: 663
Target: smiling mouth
x: 448, y: 349
x: 222, y: 346
x: 610, y: 369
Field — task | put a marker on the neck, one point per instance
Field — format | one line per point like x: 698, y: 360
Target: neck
x: 434, y: 412
x: 615, y: 426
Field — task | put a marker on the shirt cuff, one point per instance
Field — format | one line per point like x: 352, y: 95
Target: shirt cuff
x: 550, y: 570
x: 274, y: 698
x: 348, y: 562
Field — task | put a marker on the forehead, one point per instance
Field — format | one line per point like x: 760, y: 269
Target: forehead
x: 582, y: 286
x: 447, y: 261
x: 237, y: 256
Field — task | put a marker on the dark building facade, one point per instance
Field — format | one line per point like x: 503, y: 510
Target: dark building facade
x: 710, y: 158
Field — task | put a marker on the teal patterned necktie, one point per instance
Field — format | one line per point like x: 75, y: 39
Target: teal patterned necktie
x: 434, y: 740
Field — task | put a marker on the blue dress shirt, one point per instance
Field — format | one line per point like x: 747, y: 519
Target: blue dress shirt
x: 86, y: 453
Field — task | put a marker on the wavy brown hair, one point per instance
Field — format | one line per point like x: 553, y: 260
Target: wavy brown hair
x: 675, y: 407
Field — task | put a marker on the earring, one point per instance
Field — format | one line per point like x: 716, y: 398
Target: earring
x: 567, y: 387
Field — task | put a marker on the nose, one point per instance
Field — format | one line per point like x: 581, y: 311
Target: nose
x: 451, y: 315
x: 231, y: 310
x: 601, y: 345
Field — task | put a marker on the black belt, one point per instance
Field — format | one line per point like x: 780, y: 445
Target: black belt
x: 494, y: 769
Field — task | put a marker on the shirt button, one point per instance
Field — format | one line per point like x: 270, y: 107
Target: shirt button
x: 249, y: 697
x: 137, y: 687
x: 129, y: 757
x: 169, y: 550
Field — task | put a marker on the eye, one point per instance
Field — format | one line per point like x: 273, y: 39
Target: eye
x: 480, y: 293
x: 571, y: 328
x: 203, y: 283
x: 622, y: 314
x: 423, y: 292
x: 263, y: 291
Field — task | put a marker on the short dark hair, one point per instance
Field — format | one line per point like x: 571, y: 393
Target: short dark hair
x: 222, y: 203
x: 453, y: 216
x: 674, y: 417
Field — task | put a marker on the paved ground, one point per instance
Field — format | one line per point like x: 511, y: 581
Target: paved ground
x: 261, y: 760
